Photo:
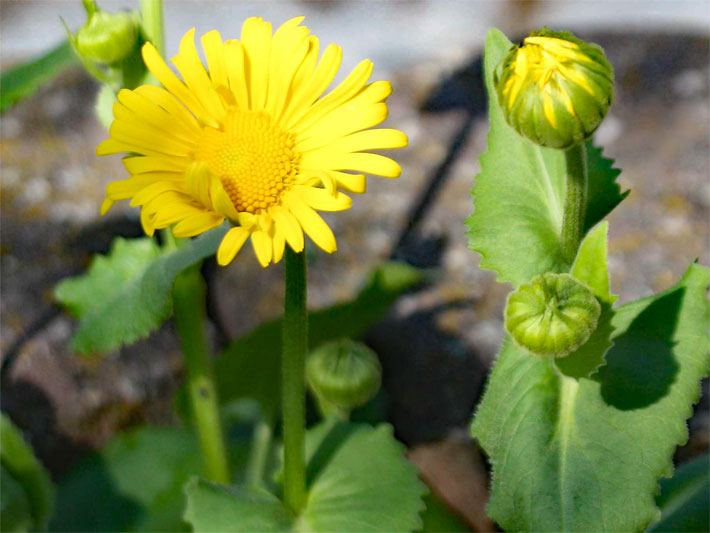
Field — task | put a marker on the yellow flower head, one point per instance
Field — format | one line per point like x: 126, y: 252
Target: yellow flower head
x: 555, y: 89
x: 251, y: 139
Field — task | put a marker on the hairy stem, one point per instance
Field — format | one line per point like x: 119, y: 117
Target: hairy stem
x: 293, y: 397
x: 575, y: 201
x: 152, y: 15
x: 189, y: 303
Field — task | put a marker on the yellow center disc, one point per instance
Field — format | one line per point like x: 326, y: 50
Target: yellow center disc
x: 252, y: 157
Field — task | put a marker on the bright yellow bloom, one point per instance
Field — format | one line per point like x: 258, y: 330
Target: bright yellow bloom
x: 250, y: 140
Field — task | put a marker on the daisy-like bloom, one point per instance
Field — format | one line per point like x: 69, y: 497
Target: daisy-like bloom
x: 251, y: 139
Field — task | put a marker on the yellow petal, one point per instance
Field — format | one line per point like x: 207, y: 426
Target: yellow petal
x: 143, y: 164
x: 221, y: 202
x: 349, y: 87
x: 193, y: 72
x: 381, y: 139
x: 376, y: 164
x: 231, y: 244
x: 349, y: 182
x: 144, y: 110
x: 311, y: 222
x: 308, y: 87
x: 171, y: 104
x: 288, y: 226
x: 288, y: 49
x: 148, y: 193
x: 256, y: 40
x: 340, y: 122
x: 279, y: 245
x: 128, y: 188
x: 214, y: 53
x: 198, y: 179
x: 234, y: 59
x: 196, y: 224
x: 106, y: 205
x: 322, y: 200
x: 263, y: 248
x: 147, y: 222
x: 130, y: 128
x: 170, y: 81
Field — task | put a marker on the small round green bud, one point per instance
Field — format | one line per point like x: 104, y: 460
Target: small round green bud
x: 555, y: 89
x: 343, y: 374
x: 107, y: 37
x: 553, y: 315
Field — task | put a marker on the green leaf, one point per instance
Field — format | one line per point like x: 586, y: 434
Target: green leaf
x: 438, y: 518
x: 126, y: 295
x: 685, y: 498
x: 28, y: 489
x: 15, y: 511
x: 21, y: 81
x: 591, y: 268
x: 251, y: 366
x: 213, y: 508
x: 133, y: 484
x: 358, y: 480
x: 519, y: 194
x: 586, y: 455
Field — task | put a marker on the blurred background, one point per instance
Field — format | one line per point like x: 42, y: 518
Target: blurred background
x: 439, y: 341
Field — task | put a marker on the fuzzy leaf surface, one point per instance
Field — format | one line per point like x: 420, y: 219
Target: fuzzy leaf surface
x: 591, y: 268
x: 519, y: 194
x: 357, y: 477
x: 127, y: 294
x: 587, y: 454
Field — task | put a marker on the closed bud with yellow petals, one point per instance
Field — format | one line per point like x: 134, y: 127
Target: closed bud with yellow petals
x: 555, y: 89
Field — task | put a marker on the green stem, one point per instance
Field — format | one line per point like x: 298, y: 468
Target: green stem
x: 152, y: 15
x: 575, y: 201
x: 259, y: 453
x: 189, y: 304
x: 293, y: 397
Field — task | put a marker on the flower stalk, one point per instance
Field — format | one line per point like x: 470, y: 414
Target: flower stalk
x: 152, y: 16
x: 575, y: 207
x: 189, y: 304
x: 293, y: 379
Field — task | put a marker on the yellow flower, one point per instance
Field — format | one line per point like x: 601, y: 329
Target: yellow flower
x: 250, y: 140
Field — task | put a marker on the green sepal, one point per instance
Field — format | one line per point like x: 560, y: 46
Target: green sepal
x: 343, y: 374
x: 551, y: 316
x: 555, y: 89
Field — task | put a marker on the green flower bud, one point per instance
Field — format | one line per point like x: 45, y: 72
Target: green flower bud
x: 107, y: 37
x: 553, y: 315
x: 555, y: 89
x: 343, y: 374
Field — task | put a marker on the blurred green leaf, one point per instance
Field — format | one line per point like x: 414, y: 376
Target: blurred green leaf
x: 126, y: 294
x: 685, y: 498
x: 135, y: 482
x: 28, y: 489
x: 15, y: 511
x: 519, y: 193
x: 438, y: 518
x: 358, y: 480
x: 250, y: 366
x: 103, y: 107
x: 583, y: 455
x: 20, y: 81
